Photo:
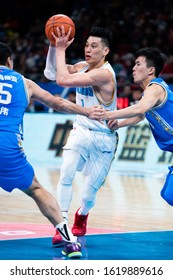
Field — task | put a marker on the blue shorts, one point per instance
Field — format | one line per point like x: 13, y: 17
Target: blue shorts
x: 15, y: 170
x: 167, y: 190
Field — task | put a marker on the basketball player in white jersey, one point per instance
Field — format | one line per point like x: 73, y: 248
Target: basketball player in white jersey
x: 91, y: 145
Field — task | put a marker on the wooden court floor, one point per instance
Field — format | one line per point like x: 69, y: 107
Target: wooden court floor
x: 130, y: 220
x: 127, y: 203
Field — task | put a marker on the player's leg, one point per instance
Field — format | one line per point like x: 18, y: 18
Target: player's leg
x: 72, y: 161
x: 45, y: 201
x: 93, y: 181
x: 51, y: 210
x: 101, y: 156
x: 81, y: 216
x: 18, y: 173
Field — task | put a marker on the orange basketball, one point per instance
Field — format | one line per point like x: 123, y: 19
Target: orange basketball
x: 57, y: 21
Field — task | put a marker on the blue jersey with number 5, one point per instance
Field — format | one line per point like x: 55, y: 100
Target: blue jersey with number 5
x: 14, y: 100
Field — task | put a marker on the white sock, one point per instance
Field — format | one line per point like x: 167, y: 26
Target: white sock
x: 65, y: 232
x: 82, y: 213
x: 50, y: 69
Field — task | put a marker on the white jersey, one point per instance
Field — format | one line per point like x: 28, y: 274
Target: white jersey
x: 88, y: 97
x: 91, y: 146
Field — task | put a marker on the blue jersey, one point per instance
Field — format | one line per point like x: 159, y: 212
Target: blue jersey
x: 160, y: 118
x: 13, y: 100
x: 15, y: 170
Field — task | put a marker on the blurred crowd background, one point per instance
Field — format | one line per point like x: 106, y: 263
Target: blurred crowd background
x: 134, y: 24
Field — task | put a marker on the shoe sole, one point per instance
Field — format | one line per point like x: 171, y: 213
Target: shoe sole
x: 73, y: 254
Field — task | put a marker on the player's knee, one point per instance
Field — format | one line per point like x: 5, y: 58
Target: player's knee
x: 35, y: 189
x: 67, y: 176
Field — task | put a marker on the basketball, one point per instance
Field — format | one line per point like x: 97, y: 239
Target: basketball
x: 57, y: 21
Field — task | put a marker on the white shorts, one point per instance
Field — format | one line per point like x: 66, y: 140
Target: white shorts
x: 97, y: 150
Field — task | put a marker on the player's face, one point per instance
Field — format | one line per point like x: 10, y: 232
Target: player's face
x: 95, y: 51
x: 140, y: 70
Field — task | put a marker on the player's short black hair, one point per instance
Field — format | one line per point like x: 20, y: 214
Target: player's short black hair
x: 154, y: 57
x: 103, y: 33
x: 5, y: 52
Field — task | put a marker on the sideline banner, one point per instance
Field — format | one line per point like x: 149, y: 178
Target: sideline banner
x: 46, y: 133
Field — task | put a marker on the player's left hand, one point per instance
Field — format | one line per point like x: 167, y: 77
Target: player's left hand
x: 97, y: 113
x: 62, y: 40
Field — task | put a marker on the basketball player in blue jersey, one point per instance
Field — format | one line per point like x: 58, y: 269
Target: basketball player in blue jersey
x: 156, y: 105
x: 15, y: 170
x: 91, y: 145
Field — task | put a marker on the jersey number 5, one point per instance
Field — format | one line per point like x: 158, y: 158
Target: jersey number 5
x: 5, y: 95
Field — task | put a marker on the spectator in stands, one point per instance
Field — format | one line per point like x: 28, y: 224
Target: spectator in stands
x: 136, y: 94
x: 135, y: 26
x: 167, y: 72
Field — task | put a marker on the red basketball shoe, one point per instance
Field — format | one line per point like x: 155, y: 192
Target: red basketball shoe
x: 57, y: 239
x: 80, y: 224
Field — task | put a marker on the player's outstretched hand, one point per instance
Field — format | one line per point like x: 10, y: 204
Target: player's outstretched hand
x: 113, y: 124
x: 97, y: 113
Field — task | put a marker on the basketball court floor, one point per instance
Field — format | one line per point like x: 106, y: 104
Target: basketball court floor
x: 130, y: 221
